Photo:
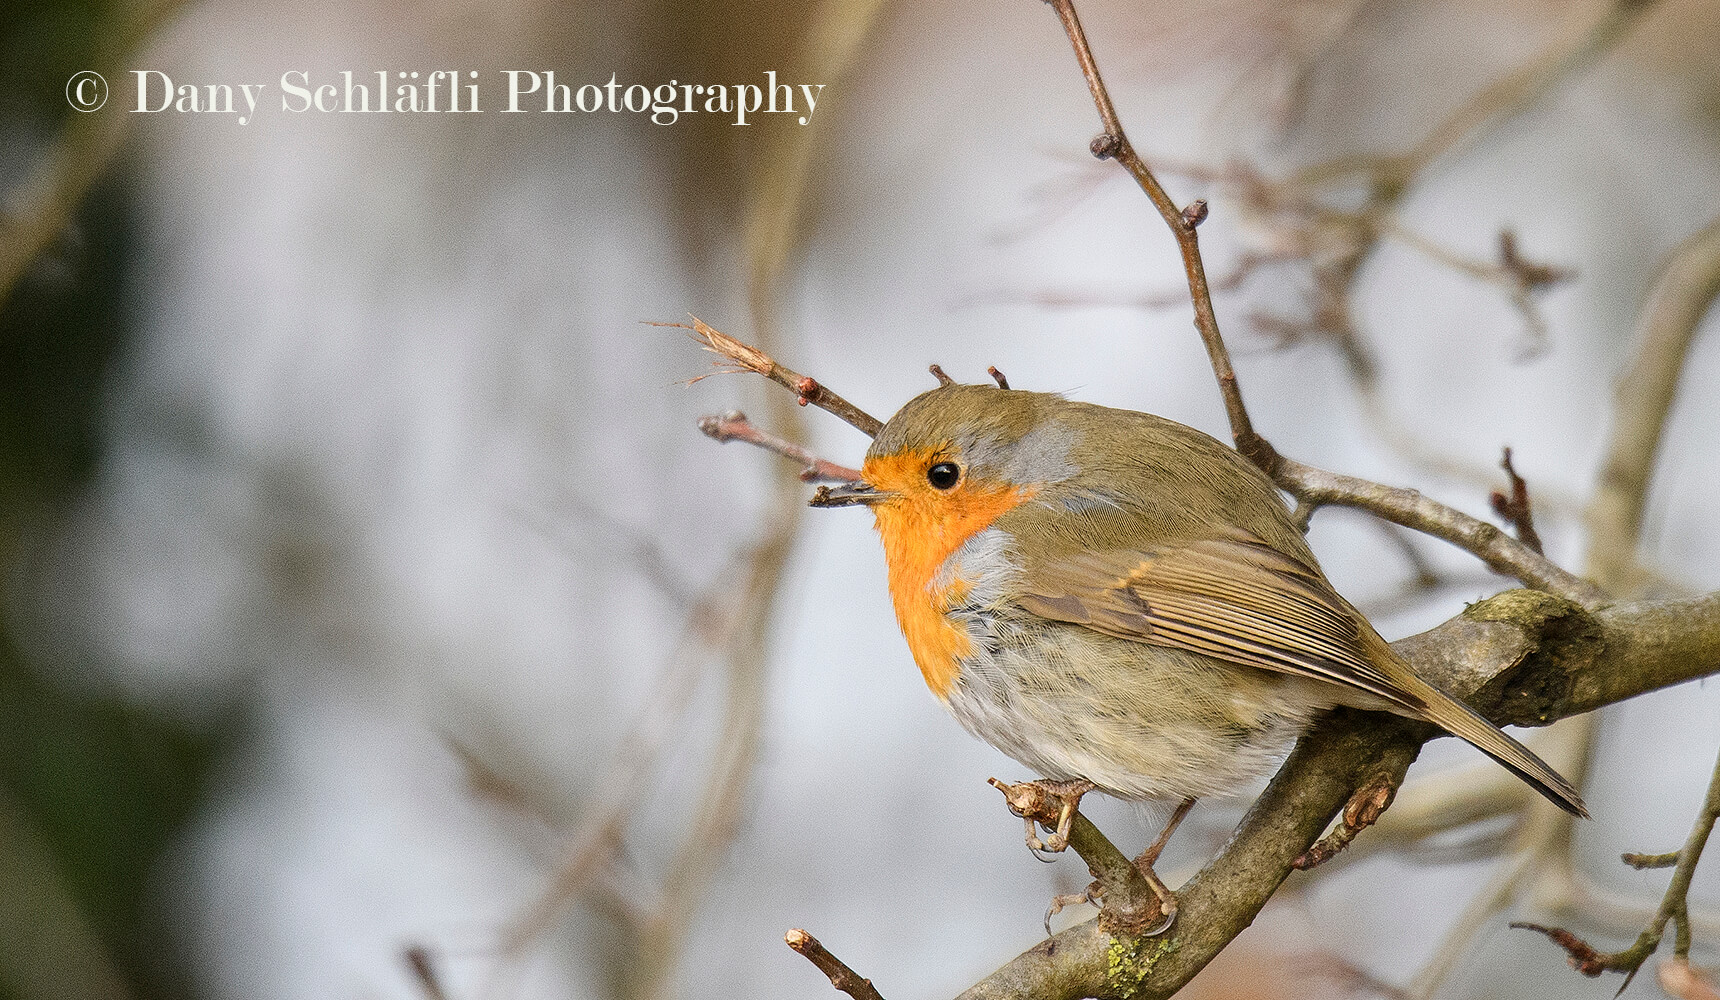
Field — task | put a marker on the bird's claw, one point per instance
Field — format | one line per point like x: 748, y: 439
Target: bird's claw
x: 1167, y: 907
x: 1093, y: 894
x: 1051, y: 804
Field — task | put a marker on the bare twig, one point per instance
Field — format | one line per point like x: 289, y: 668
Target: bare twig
x: 1411, y: 509
x: 734, y: 426
x: 712, y: 625
x: 997, y: 376
x: 1129, y: 903
x: 643, y: 552
x: 422, y: 965
x: 1642, y: 399
x: 841, y: 976
x: 744, y: 357
x: 942, y: 376
x: 1513, y: 508
x: 1674, y: 907
x: 1113, y: 143
x: 723, y: 799
x: 1522, y: 89
x: 1313, y: 487
x: 1521, y: 279
x: 1423, y: 576
x: 1309, y: 485
x: 1644, y: 862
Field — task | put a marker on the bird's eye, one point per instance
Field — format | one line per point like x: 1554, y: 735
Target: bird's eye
x: 943, y: 475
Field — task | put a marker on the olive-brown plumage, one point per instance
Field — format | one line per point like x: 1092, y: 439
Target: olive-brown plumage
x: 1112, y: 596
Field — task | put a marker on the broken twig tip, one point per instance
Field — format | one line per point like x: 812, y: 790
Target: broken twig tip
x: 939, y: 374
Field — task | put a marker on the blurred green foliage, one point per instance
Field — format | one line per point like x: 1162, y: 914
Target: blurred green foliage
x: 93, y: 790
x: 42, y: 43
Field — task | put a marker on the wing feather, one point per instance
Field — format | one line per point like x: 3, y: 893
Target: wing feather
x: 1234, y: 598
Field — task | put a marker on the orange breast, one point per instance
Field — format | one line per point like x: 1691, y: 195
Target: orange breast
x: 921, y: 530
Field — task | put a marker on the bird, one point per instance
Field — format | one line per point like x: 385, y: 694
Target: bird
x: 1120, y: 602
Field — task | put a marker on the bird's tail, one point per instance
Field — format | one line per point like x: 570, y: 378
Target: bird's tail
x: 1462, y: 721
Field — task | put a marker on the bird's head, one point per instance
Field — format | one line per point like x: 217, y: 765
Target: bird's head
x: 953, y: 460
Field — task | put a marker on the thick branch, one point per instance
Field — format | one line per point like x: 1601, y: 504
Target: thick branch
x: 1521, y: 657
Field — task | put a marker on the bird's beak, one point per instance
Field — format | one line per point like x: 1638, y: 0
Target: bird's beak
x: 847, y: 495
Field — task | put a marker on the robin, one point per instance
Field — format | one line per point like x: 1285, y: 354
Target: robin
x: 1121, y: 603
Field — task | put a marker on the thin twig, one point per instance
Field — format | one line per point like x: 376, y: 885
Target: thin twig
x: 1514, y: 509
x: 1308, y: 484
x: 1411, y: 509
x: 422, y: 965
x: 841, y: 976
x: 711, y: 625
x: 1312, y: 487
x: 1128, y: 903
x: 1674, y: 907
x: 1362, y: 811
x: 734, y: 426
x: 807, y: 390
x: 1495, y: 104
x: 723, y: 800
x: 643, y: 552
x: 1114, y: 143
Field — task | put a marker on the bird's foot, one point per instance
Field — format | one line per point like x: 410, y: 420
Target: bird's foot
x: 1093, y: 894
x: 1167, y: 901
x: 1362, y: 811
x: 1051, y: 804
x: 1149, y: 857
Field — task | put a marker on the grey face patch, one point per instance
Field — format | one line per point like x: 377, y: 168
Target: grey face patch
x: 1039, y: 456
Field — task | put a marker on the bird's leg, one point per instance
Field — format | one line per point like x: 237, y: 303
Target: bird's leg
x: 1149, y: 857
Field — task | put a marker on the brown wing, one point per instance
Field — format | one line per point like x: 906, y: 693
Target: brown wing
x: 1234, y: 598
x: 1242, y: 600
